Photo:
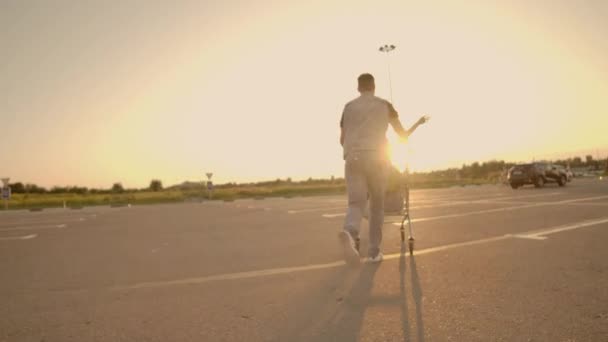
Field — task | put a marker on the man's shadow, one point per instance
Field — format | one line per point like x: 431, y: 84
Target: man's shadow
x: 346, y: 321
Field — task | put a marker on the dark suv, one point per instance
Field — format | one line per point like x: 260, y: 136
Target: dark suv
x: 537, y: 174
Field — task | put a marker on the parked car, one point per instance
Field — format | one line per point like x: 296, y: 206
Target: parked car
x: 566, y: 171
x: 537, y: 174
x: 570, y: 175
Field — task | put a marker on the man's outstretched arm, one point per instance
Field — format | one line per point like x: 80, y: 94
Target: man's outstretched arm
x: 402, y: 132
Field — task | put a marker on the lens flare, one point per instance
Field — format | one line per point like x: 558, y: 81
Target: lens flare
x: 400, y: 153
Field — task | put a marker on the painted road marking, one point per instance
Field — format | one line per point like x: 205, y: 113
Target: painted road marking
x: 530, y: 237
x: 484, y: 201
x: 48, y: 213
x: 48, y: 222
x: 424, y: 197
x: 443, y: 204
x: 462, y: 197
x: 494, y: 200
x: 288, y: 270
x: 54, y: 226
x: 602, y: 204
x: 549, y: 231
x: 496, y: 210
x: 334, y: 215
x: 450, y: 246
x: 344, y: 208
x: 25, y: 237
x: 297, y: 211
x: 231, y: 276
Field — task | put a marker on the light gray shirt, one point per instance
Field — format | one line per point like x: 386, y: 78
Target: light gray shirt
x: 364, y: 123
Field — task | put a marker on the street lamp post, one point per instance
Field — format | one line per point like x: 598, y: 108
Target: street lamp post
x: 387, y: 49
x: 6, y: 191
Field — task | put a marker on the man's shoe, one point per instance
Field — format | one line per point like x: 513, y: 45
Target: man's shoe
x: 351, y: 255
x: 376, y: 259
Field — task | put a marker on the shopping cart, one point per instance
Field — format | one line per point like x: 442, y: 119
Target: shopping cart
x: 397, y: 209
x: 405, y: 213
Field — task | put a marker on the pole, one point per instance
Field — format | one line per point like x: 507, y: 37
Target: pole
x: 390, y: 81
x: 387, y: 49
x: 209, y: 185
x: 6, y: 191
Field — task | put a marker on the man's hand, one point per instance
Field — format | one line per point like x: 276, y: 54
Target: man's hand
x: 423, y: 120
x: 403, y: 134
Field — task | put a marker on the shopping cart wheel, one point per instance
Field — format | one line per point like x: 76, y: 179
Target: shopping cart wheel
x: 410, y: 243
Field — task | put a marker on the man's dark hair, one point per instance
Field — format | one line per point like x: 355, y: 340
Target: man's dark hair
x: 366, y: 82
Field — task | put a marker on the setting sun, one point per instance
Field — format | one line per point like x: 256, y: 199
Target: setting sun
x: 256, y: 93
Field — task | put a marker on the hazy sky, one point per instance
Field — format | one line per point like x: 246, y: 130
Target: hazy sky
x: 94, y: 92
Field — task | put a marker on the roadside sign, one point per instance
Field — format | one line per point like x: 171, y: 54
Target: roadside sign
x: 6, y: 193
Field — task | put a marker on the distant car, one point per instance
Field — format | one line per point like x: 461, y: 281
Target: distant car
x: 566, y: 171
x: 537, y: 174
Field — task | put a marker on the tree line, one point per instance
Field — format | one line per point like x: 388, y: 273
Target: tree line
x: 28, y: 188
x: 475, y: 170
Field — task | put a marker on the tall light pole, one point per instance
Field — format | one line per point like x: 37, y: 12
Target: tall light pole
x: 387, y: 49
x: 6, y: 191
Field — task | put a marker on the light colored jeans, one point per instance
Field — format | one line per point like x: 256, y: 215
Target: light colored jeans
x: 366, y: 175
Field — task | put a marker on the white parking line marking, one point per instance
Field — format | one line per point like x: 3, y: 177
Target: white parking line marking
x: 33, y: 227
x: 443, y: 203
x: 231, y: 276
x: 481, y: 201
x: 41, y: 222
x: 496, y: 210
x: 297, y: 211
x: 334, y: 215
x: 450, y: 246
x: 495, y: 200
x: 449, y: 197
x: 25, y: 237
x: 47, y: 215
x: 602, y: 204
x: 530, y: 237
x: 288, y: 270
x: 549, y: 231
x: 453, y: 197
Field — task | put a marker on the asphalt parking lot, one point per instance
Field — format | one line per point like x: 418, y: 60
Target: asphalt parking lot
x: 491, y: 264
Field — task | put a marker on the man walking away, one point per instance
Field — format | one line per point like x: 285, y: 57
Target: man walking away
x: 363, y: 125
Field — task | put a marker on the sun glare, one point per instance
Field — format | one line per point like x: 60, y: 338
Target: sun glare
x: 399, y: 153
